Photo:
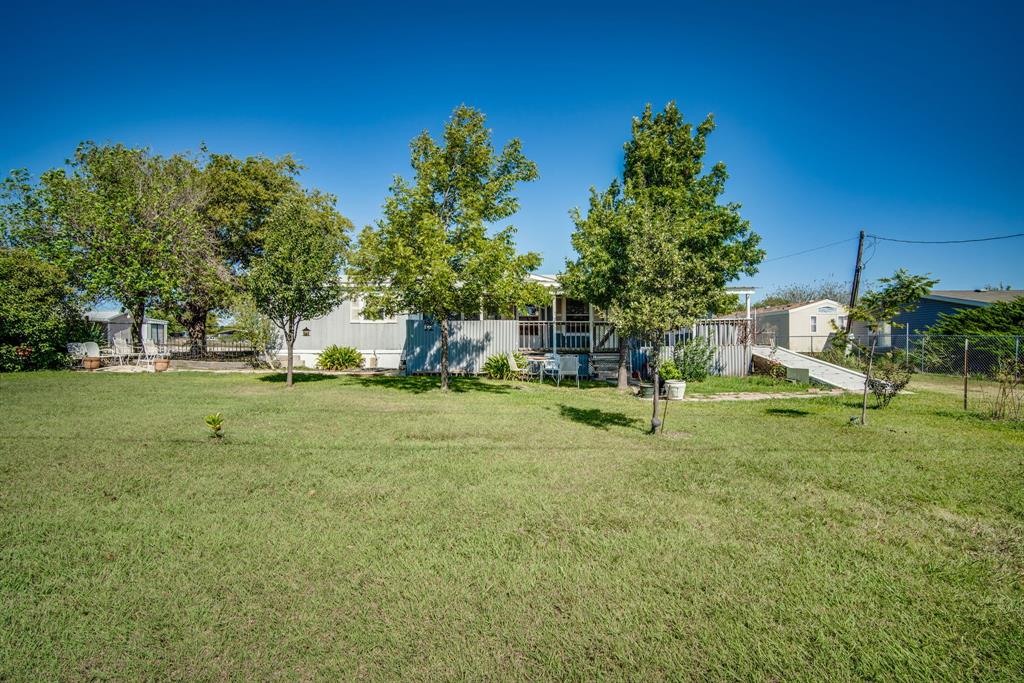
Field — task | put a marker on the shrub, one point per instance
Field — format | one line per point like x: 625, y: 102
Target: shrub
x: 39, y: 313
x: 1009, y: 400
x: 890, y: 375
x: 693, y: 359
x: 669, y: 371
x: 497, y: 367
x: 336, y: 357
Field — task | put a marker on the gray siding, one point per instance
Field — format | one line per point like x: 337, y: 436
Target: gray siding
x: 470, y: 342
x: 337, y: 327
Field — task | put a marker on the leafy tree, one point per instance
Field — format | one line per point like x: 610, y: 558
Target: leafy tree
x: 898, y: 293
x: 801, y: 293
x: 40, y: 312
x: 1002, y: 317
x: 676, y: 246
x: 255, y: 328
x: 113, y: 219
x: 431, y: 253
x: 297, y: 275
x: 599, y: 272
x: 239, y: 195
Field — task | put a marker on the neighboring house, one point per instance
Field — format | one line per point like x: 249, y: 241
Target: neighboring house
x: 949, y: 301
x: 118, y: 325
x: 563, y: 325
x: 804, y: 327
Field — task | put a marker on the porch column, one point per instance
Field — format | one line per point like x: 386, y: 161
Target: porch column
x: 747, y: 297
x: 590, y: 325
x: 554, y: 323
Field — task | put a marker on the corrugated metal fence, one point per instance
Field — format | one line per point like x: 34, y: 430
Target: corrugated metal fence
x: 730, y: 339
x: 470, y: 342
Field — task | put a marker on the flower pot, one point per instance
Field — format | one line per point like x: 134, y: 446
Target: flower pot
x: 91, y: 363
x: 675, y: 389
x: 161, y: 364
x: 646, y: 390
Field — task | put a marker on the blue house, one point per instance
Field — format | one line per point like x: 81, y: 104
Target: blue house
x: 950, y: 301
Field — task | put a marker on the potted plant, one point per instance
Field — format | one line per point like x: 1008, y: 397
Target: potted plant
x: 672, y: 376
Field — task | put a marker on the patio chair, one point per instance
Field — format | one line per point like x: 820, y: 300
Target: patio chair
x: 550, y: 367
x: 92, y: 350
x: 122, y: 350
x: 150, y: 352
x: 77, y: 351
x: 568, y: 366
x: 521, y: 373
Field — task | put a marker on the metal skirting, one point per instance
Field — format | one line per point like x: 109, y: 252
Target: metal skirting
x: 470, y: 343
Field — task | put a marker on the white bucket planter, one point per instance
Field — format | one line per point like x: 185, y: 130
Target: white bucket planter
x: 676, y: 389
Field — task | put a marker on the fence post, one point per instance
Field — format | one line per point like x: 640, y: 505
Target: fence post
x: 966, y: 344
x: 907, y: 346
x: 924, y: 341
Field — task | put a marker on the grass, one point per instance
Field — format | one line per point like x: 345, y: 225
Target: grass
x: 373, y: 528
x: 755, y: 383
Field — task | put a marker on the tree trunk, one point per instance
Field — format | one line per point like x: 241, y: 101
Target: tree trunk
x: 623, y: 374
x: 654, y: 363
x: 444, y: 354
x: 193, y: 319
x: 867, y: 381
x: 138, y: 312
x: 289, y: 339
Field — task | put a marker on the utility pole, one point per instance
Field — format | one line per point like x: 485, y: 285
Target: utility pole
x: 856, y: 280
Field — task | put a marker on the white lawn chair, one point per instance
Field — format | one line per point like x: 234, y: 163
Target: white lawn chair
x: 150, y: 352
x: 568, y: 366
x: 92, y: 349
x: 550, y: 367
x: 521, y: 373
x: 123, y: 350
x: 77, y: 351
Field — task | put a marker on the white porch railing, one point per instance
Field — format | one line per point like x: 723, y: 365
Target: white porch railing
x: 585, y: 336
x: 566, y: 335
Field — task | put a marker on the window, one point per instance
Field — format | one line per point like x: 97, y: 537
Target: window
x: 814, y: 324
x: 357, y: 314
x: 842, y: 322
x: 826, y: 309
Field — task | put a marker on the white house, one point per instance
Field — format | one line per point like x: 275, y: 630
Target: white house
x: 803, y: 327
x: 118, y: 325
x: 563, y: 324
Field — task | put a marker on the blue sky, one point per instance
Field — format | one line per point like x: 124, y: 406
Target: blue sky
x: 903, y: 121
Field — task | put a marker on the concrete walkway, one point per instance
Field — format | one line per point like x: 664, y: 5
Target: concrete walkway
x: 759, y: 396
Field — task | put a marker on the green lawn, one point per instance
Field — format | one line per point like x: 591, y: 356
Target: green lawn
x: 375, y: 528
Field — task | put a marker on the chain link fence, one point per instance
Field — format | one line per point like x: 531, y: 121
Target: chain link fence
x: 983, y: 372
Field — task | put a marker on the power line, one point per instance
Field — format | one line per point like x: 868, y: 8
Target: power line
x: 808, y: 251
x: 980, y: 239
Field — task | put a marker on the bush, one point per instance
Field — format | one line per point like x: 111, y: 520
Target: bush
x: 669, y: 371
x: 890, y: 375
x: 39, y: 313
x: 693, y: 359
x: 336, y: 357
x: 497, y: 367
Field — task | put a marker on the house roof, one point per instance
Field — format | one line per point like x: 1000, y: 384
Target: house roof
x: 761, y: 310
x: 974, y: 297
x: 116, y: 316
